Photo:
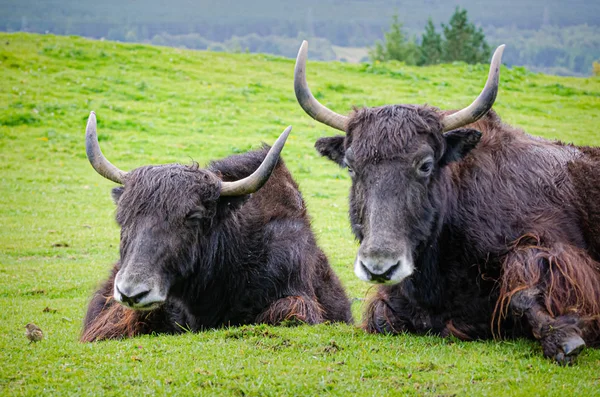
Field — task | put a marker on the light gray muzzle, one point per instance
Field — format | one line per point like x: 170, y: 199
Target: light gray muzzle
x: 382, y: 268
x: 137, y: 291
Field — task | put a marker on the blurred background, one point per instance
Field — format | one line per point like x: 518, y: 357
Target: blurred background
x: 551, y: 36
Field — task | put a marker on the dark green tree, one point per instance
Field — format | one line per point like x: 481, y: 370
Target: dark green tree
x: 430, y: 50
x: 463, y: 41
x: 396, y: 46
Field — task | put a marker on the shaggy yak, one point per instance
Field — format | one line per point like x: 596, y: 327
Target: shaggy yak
x: 203, y: 248
x: 474, y: 228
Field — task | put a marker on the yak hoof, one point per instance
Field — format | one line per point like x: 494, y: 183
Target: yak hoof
x: 573, y: 346
x: 569, y: 350
x: 381, y: 326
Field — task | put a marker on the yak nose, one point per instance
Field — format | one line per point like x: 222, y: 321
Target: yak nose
x: 379, y: 274
x: 383, y: 267
x: 133, y: 296
x: 140, y: 292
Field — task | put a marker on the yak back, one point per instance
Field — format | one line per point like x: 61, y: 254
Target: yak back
x: 284, y: 246
x: 510, y: 185
x: 282, y: 208
x: 278, y: 198
x: 585, y: 173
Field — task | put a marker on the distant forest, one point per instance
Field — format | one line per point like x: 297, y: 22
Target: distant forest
x: 554, y: 36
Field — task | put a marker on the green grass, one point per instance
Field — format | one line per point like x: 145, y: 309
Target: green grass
x: 156, y: 105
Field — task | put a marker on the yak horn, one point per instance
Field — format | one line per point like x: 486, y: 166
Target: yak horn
x: 483, y: 102
x: 258, y: 178
x: 306, y: 99
x: 94, y: 154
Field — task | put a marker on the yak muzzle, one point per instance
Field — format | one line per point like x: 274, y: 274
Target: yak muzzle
x: 136, y: 293
x: 380, y: 268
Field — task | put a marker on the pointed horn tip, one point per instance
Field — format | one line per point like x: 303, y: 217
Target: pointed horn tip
x: 499, y: 50
x: 90, y: 128
x: 91, y: 123
x: 303, y: 51
x: 283, y: 137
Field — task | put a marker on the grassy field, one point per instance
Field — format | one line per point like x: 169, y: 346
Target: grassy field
x: 157, y: 105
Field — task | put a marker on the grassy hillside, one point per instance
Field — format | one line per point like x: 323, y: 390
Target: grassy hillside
x: 156, y: 105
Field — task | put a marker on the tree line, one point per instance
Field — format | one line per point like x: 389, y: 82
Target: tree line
x: 460, y: 40
x: 352, y: 24
x: 550, y: 49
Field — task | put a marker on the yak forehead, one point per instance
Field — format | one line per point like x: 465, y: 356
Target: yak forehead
x: 386, y: 132
x: 169, y: 191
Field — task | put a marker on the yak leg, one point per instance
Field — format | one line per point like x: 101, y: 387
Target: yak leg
x: 302, y: 309
x: 554, y: 286
x: 384, y: 315
x: 391, y: 311
x: 560, y: 337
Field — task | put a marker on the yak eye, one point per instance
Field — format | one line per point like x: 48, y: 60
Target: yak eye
x: 349, y: 167
x: 349, y: 158
x: 425, y: 166
x: 358, y: 231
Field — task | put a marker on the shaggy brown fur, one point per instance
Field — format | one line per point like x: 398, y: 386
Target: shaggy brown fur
x: 566, y: 273
x: 565, y: 278
x: 585, y: 171
x: 114, y: 321
x: 292, y: 308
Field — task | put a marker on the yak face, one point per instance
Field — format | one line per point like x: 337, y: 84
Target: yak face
x: 395, y: 156
x: 163, y: 211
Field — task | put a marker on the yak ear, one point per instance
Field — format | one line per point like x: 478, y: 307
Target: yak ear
x: 332, y: 148
x: 459, y: 143
x: 116, y: 194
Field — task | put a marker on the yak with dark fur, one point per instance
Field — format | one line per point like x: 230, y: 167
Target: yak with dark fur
x: 193, y: 258
x: 475, y: 228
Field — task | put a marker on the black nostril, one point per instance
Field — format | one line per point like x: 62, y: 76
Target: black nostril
x: 391, y: 270
x: 137, y: 298
x: 134, y: 299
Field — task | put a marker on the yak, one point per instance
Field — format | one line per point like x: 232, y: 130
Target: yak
x: 471, y: 227
x: 203, y: 248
